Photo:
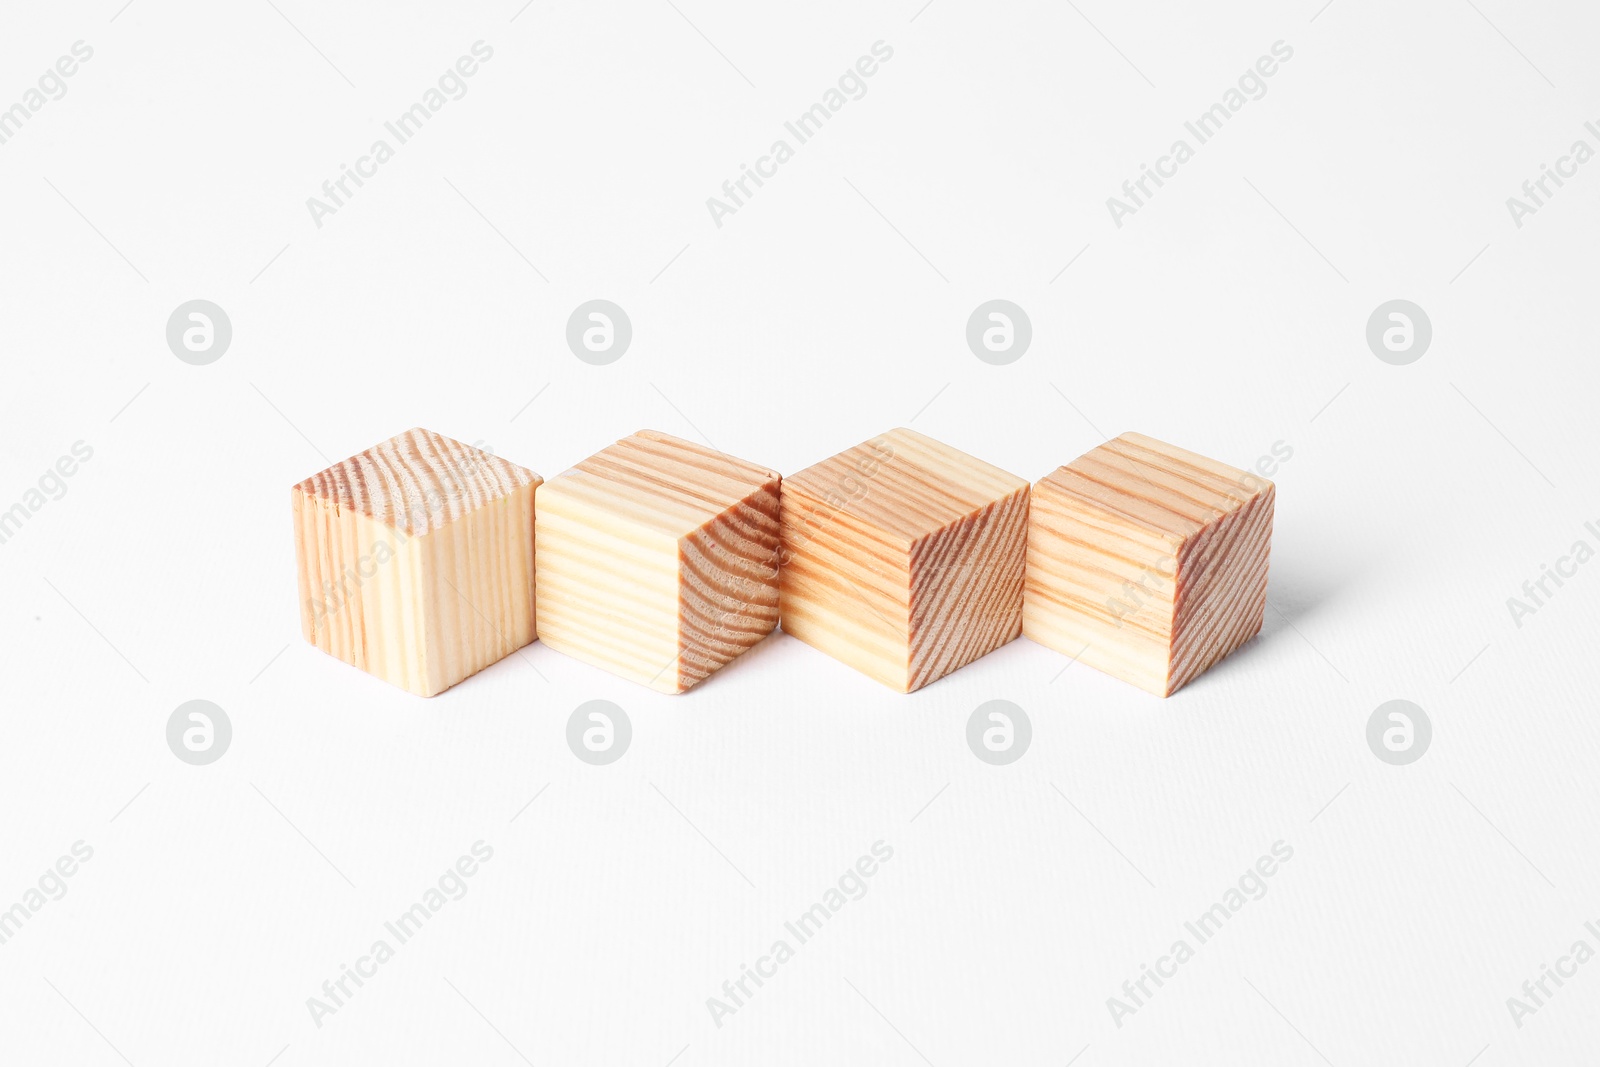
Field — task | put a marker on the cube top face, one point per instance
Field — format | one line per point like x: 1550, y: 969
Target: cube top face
x: 662, y: 484
x: 417, y: 482
x: 1162, y: 492
x: 904, y: 485
x: 658, y: 560
x: 1147, y: 561
x: 903, y: 558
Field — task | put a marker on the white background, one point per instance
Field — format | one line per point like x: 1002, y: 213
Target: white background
x: 1226, y: 316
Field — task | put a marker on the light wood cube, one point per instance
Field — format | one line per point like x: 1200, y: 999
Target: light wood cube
x: 903, y: 557
x: 415, y: 560
x: 658, y: 560
x: 1147, y: 561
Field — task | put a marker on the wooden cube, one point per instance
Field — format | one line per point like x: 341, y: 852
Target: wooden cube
x: 658, y: 560
x: 903, y: 557
x: 1147, y: 561
x: 416, y: 560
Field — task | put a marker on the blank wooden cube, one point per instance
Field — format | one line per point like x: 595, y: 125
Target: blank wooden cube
x: 658, y: 560
x: 1147, y: 561
x: 903, y: 557
x: 416, y: 560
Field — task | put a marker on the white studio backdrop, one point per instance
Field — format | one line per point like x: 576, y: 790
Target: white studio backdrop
x: 1427, y: 487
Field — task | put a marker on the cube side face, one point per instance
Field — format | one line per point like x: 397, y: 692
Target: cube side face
x: 967, y: 588
x: 728, y: 585
x: 1099, y: 587
x: 477, y: 579
x: 360, y: 591
x: 1222, y: 588
x: 606, y: 589
x: 845, y: 589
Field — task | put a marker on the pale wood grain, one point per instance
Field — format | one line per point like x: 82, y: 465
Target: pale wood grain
x: 903, y: 558
x: 658, y: 560
x: 415, y: 560
x: 1147, y: 561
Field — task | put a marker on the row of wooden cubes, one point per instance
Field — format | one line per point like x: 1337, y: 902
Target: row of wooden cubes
x: 423, y: 560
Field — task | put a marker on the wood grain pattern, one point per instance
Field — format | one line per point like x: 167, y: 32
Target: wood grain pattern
x: 415, y: 560
x: 658, y: 560
x: 903, y: 557
x: 1147, y: 561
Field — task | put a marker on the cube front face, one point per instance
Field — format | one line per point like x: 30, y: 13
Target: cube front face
x: 607, y: 593
x: 903, y: 558
x: 415, y: 560
x: 360, y: 587
x: 1099, y: 589
x: 658, y: 560
x: 1147, y: 561
x: 479, y: 587
x: 846, y: 588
